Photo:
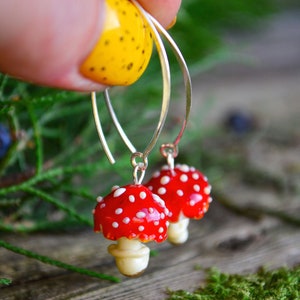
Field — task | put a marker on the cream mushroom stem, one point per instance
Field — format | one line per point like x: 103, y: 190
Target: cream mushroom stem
x: 132, y: 257
x: 178, y: 232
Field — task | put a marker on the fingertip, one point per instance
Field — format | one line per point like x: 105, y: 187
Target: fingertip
x: 164, y: 11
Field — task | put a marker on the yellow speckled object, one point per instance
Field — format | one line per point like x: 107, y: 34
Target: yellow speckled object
x: 123, y: 51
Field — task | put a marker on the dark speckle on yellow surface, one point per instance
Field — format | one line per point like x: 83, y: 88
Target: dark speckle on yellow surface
x: 123, y: 51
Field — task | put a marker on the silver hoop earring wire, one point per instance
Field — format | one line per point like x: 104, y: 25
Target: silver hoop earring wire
x: 170, y: 150
x: 156, y: 27
x: 185, y: 73
x: 165, y: 100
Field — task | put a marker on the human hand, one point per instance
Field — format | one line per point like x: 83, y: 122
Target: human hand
x: 45, y: 42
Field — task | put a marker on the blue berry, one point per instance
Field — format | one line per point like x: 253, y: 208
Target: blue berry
x: 240, y: 122
x: 5, y: 140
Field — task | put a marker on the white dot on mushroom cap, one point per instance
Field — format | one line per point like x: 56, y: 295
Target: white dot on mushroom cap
x: 184, y: 178
x: 151, y: 210
x: 126, y: 220
x: 143, y: 195
x: 156, y: 223
x: 102, y: 205
x: 192, y: 203
x: 162, y: 191
x: 165, y: 180
x: 179, y: 193
x: 196, y: 176
x: 205, y: 210
x: 119, y: 192
x: 150, y: 187
x: 210, y: 199
x: 131, y: 198
x: 99, y: 199
x: 162, y: 215
x: 207, y: 190
x: 118, y: 211
x: 160, y: 230
x: 140, y: 215
x: 160, y: 201
x: 93, y: 211
x: 184, y: 168
x: 115, y: 187
x: 115, y: 224
x: 141, y: 228
x: 156, y: 197
x: 198, y: 197
x: 196, y: 188
x: 156, y: 174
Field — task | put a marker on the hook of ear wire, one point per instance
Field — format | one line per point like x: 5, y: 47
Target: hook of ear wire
x: 169, y: 151
x: 139, y: 167
x: 165, y: 100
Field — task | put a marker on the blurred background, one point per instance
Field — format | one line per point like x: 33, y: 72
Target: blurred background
x: 244, y: 58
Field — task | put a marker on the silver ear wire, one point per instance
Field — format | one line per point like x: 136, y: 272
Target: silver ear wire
x: 165, y: 100
x: 185, y: 73
x: 168, y: 149
x: 117, y: 123
x: 99, y: 129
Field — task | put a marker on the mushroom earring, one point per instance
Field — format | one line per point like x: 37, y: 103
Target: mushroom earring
x: 185, y: 190
x: 132, y: 215
x: 186, y: 193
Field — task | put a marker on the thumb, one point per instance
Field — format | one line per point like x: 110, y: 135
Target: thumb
x: 45, y: 41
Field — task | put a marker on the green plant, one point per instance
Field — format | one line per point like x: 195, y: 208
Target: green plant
x: 282, y: 283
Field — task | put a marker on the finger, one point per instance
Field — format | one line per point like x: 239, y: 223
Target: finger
x: 164, y: 11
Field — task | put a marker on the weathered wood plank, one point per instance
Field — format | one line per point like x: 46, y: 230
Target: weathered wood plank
x: 231, y: 244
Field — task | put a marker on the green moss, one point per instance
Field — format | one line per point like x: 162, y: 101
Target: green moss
x: 5, y: 281
x: 280, y: 284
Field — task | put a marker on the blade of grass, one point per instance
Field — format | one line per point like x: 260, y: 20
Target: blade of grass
x: 56, y: 263
x: 70, y: 211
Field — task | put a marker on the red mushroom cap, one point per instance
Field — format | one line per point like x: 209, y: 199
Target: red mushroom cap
x: 131, y: 211
x: 184, y: 189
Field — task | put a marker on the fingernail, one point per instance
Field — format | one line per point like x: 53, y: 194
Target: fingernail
x: 172, y: 23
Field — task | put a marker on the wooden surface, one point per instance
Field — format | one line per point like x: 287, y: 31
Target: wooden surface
x: 223, y: 239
